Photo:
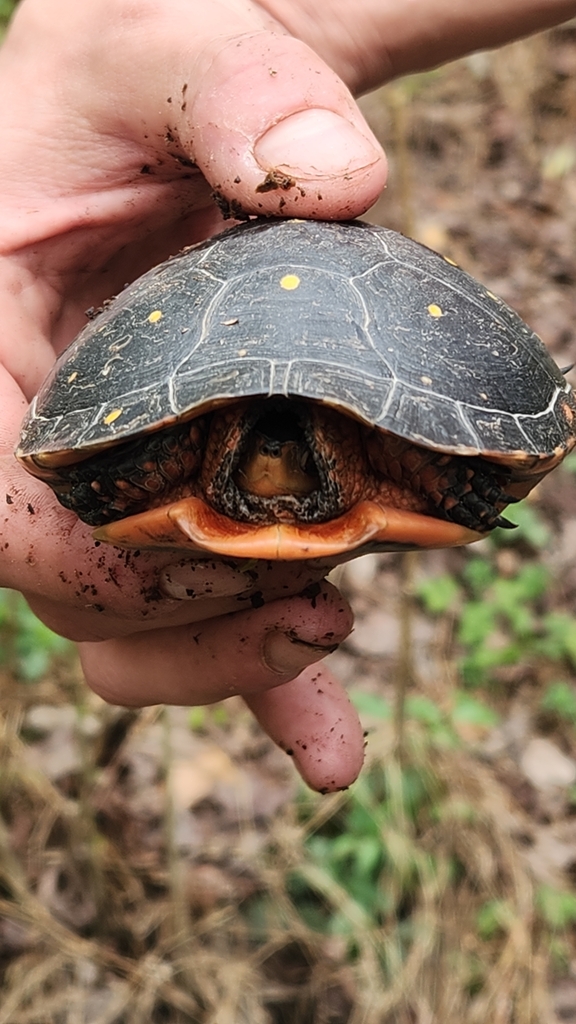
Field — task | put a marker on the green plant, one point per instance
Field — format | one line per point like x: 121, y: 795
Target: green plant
x: 493, y: 917
x: 502, y: 620
x: 438, y: 727
x: 364, y: 864
x: 6, y: 10
x: 27, y: 646
x: 560, y: 699
x: 557, y: 907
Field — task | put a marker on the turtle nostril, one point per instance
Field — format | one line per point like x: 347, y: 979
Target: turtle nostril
x: 269, y: 469
x: 273, y: 449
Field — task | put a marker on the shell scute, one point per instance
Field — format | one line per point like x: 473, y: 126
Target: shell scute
x: 417, y: 406
x: 371, y: 322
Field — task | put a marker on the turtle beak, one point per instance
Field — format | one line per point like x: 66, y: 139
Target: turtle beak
x: 192, y: 525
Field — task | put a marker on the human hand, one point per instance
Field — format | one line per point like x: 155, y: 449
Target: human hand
x: 122, y: 119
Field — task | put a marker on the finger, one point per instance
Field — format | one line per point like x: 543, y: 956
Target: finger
x: 281, y: 134
x: 87, y: 591
x: 313, y: 720
x: 369, y: 43
x: 13, y: 405
x: 95, y: 594
x: 238, y: 654
x: 270, y: 125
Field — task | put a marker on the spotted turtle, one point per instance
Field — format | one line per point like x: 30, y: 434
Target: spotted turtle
x: 298, y: 389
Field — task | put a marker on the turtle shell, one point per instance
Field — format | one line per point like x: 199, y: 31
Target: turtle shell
x: 348, y: 314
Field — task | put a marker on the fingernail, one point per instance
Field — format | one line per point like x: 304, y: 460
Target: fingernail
x: 188, y: 581
x: 282, y: 653
x: 316, y: 143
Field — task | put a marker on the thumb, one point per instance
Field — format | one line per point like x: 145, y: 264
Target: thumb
x: 275, y: 131
x: 144, y: 90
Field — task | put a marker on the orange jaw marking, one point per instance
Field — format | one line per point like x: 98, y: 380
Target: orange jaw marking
x: 190, y: 524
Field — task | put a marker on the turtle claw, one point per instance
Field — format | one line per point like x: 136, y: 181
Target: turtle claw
x: 504, y: 523
x: 479, y: 503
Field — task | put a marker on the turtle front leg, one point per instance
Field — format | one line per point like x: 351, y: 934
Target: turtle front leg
x: 152, y: 470
x: 468, y: 490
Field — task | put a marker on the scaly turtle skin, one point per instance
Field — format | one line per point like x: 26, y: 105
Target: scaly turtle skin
x: 294, y: 389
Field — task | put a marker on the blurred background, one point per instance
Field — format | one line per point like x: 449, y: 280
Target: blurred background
x: 167, y: 866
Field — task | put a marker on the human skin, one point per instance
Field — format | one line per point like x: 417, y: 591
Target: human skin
x: 123, y: 116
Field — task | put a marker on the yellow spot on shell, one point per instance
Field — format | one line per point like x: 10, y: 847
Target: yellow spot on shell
x: 435, y: 310
x: 492, y: 296
x: 451, y: 262
x: 155, y: 316
x: 289, y: 282
x: 426, y: 380
x: 112, y: 416
x: 72, y: 377
x: 242, y: 351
